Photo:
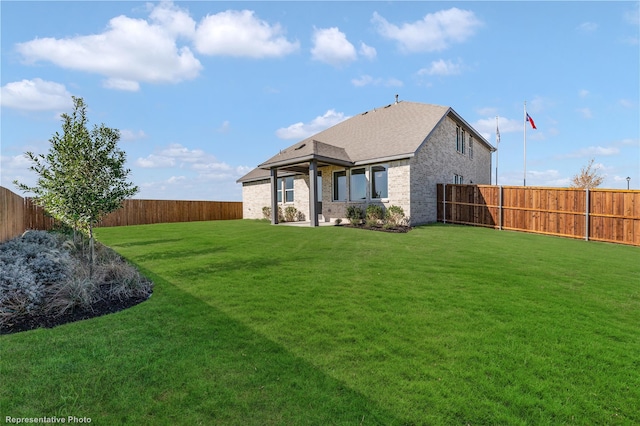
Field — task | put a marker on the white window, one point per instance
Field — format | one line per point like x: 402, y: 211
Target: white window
x: 358, y: 185
x: 379, y: 181
x: 288, y: 189
x: 462, y: 142
x: 340, y: 186
x: 286, y: 185
x: 458, y: 138
x: 458, y: 180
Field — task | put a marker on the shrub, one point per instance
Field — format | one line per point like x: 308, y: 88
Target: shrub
x: 355, y: 214
x: 370, y: 223
x: 290, y: 214
x: 375, y: 213
x: 121, y: 280
x: 29, y: 264
x: 395, y: 216
x: 79, y: 291
x: 266, y: 212
x: 338, y: 221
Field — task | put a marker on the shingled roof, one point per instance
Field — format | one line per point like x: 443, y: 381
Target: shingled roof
x: 391, y: 132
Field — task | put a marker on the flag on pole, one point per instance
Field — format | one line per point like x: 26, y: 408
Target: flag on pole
x: 530, y: 120
x: 497, y: 132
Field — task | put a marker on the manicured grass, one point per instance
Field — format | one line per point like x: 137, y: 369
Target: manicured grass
x: 255, y: 324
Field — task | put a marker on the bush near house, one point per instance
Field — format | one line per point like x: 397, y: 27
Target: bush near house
x: 266, y: 212
x: 394, y: 216
x: 290, y: 214
x: 375, y: 213
x: 355, y: 214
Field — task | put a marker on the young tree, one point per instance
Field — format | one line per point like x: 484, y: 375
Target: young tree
x: 587, y: 178
x: 82, y: 177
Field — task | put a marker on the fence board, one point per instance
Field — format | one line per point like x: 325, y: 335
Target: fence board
x: 11, y: 215
x: 613, y: 216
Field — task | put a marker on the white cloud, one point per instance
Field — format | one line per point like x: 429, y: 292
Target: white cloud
x: 130, y: 135
x: 177, y: 155
x: 551, y: 177
x: 487, y: 127
x: 304, y: 130
x: 367, y: 51
x: 35, y: 95
x: 331, y: 46
x: 128, y: 52
x: 583, y: 93
x: 626, y: 103
x: 121, y: 84
x: 16, y: 167
x: 632, y: 16
x: 592, y: 152
x: 225, y: 127
x: 193, y: 175
x: 153, y: 161
x: 435, y: 32
x: 487, y: 111
x: 241, y: 34
x: 588, y: 27
x: 174, y: 20
x: 630, y: 142
x: 367, y: 80
x: 442, y: 67
x: 586, y: 112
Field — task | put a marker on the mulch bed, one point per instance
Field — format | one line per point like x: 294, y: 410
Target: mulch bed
x: 103, y: 307
x: 395, y: 229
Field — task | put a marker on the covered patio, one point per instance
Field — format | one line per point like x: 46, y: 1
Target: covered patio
x: 304, y: 158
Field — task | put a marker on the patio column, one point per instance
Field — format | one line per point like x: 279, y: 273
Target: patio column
x: 274, y: 196
x: 313, y: 192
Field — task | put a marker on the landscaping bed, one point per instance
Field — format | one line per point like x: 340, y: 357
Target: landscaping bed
x: 47, y: 280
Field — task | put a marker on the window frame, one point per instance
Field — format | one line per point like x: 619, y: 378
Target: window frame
x: 362, y: 171
x: 335, y: 189
x: 289, y: 191
x: 283, y: 192
x: 373, y: 181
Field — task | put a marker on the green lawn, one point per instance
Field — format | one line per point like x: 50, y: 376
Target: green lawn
x: 253, y: 324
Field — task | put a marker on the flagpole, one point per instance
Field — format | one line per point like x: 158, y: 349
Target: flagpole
x: 497, y: 148
x: 525, y: 142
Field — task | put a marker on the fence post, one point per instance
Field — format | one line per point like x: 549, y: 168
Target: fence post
x: 500, y: 207
x: 444, y: 203
x: 586, y: 215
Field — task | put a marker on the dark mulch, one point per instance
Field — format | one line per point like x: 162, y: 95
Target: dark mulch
x: 395, y: 229
x: 103, y: 307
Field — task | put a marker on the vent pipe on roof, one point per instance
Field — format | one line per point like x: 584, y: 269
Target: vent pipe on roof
x: 396, y: 98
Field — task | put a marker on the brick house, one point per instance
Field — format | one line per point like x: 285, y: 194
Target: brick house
x: 393, y: 155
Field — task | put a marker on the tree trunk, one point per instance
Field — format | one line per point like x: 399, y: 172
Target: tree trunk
x: 91, y: 251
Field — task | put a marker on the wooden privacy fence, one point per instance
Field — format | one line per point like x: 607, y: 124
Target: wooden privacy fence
x: 595, y: 214
x: 18, y: 214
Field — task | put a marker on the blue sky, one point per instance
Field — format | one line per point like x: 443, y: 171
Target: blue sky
x: 202, y: 92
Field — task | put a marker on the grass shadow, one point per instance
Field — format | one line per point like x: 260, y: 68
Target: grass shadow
x: 172, y: 360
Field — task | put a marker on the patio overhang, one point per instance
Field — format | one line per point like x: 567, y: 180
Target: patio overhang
x: 304, y: 158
